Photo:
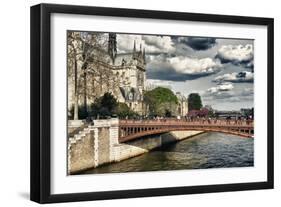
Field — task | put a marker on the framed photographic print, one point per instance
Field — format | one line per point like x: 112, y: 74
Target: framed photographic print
x: 132, y: 103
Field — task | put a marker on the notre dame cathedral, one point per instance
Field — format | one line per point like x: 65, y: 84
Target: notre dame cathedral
x: 121, y: 74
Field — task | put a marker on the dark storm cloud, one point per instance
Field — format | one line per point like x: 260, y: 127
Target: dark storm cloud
x: 229, y: 95
x: 242, y: 63
x: 171, y: 74
x: 180, y: 68
x: 240, y: 55
x: 241, y: 77
x: 197, y: 43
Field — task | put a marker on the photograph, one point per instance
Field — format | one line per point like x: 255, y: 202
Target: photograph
x: 129, y: 103
x: 157, y: 102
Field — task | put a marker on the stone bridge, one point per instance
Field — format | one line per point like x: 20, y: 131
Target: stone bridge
x: 134, y: 129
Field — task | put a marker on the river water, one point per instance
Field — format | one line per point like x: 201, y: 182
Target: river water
x: 208, y: 150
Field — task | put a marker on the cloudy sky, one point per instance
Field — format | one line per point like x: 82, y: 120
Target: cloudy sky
x: 220, y: 70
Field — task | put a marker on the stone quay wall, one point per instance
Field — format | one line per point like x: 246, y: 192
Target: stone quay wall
x: 93, y: 146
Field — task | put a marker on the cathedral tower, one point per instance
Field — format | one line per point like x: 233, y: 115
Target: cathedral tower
x: 112, y: 46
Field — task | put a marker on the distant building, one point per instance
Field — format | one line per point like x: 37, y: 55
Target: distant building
x: 182, y: 104
x: 225, y: 114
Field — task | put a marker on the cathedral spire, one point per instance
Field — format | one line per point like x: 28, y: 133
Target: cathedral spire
x: 134, y: 50
x: 143, y: 55
x: 112, y: 48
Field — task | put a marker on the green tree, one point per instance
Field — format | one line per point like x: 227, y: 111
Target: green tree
x: 107, y: 105
x: 211, y: 113
x: 104, y: 106
x: 82, y: 64
x: 123, y: 111
x: 161, y: 101
x: 108, y: 101
x: 194, y: 102
x: 168, y: 113
x: 82, y: 114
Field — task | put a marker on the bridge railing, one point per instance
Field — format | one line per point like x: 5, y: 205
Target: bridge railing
x: 202, y: 122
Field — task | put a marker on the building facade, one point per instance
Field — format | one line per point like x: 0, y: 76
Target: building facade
x: 182, y: 104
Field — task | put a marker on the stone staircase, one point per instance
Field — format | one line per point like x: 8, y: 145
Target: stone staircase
x: 77, y: 138
x: 79, y: 135
x: 92, y: 145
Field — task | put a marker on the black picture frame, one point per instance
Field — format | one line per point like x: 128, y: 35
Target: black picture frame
x: 40, y: 176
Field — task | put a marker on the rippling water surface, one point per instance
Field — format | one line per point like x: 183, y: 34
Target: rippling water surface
x: 208, y: 150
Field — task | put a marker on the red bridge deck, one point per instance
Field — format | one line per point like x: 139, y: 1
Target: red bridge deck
x: 133, y: 129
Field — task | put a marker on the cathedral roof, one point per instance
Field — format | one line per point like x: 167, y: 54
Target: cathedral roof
x: 130, y: 93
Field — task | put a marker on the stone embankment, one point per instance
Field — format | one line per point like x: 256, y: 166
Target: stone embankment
x: 98, y: 144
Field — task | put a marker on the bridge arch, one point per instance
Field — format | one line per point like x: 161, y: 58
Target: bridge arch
x: 131, y: 130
